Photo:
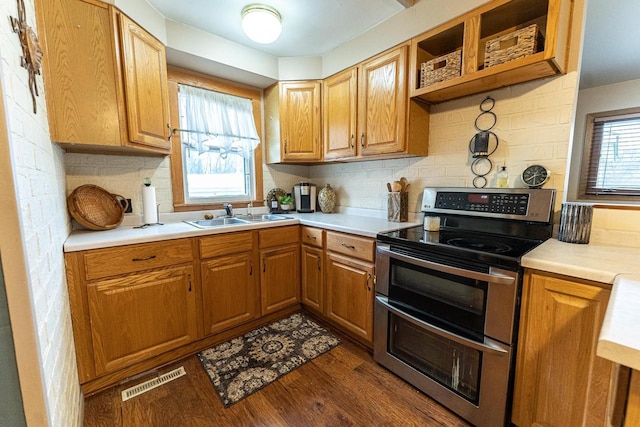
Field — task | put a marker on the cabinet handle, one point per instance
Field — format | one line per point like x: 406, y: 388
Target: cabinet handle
x: 250, y: 268
x: 347, y: 246
x: 264, y: 265
x: 143, y: 259
x: 353, y: 137
x: 170, y: 132
x: 311, y: 237
x: 368, y: 280
x: 319, y: 267
x: 285, y: 146
x: 362, y: 140
x: 189, y: 277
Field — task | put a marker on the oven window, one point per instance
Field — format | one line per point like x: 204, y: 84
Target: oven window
x: 453, y: 302
x: 451, y: 364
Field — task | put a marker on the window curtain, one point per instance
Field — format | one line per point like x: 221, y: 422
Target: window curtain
x: 214, y: 121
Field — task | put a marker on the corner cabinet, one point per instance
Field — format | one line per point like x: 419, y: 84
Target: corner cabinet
x: 367, y: 112
x: 559, y: 380
x: 105, y: 78
x: 292, y: 122
x: 469, y: 34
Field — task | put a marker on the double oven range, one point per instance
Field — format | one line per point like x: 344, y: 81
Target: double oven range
x: 448, y: 301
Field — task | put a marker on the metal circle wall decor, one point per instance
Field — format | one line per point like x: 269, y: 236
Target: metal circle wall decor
x: 484, y: 143
x: 31, y: 52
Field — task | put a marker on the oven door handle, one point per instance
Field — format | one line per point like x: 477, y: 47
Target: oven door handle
x: 497, y: 278
x: 488, y: 347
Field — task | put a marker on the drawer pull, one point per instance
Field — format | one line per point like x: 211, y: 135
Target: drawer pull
x: 311, y: 237
x: 347, y: 246
x: 143, y: 259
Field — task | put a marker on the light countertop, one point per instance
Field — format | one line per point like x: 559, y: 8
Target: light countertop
x: 366, y: 226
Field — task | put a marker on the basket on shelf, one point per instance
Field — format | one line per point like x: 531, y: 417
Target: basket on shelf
x: 517, y: 44
x: 95, y: 208
x: 440, y: 69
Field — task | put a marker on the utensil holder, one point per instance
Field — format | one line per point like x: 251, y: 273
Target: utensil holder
x: 398, y: 206
x: 575, y: 223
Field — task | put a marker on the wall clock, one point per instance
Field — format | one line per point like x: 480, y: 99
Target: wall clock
x: 535, y: 176
x: 31, y: 52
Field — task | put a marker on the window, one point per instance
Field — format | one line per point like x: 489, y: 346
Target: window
x: 216, y: 156
x: 611, y: 167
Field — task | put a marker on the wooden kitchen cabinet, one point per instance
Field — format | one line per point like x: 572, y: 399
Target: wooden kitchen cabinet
x: 279, y: 268
x: 350, y: 283
x: 559, y: 380
x: 230, y: 280
x: 312, y: 268
x: 105, y: 78
x: 131, y: 303
x: 367, y: 111
x: 469, y: 34
x: 292, y: 122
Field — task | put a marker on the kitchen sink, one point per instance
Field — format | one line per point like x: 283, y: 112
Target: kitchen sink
x: 265, y: 217
x: 216, y: 222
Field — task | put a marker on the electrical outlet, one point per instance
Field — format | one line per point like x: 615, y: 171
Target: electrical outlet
x: 129, y: 208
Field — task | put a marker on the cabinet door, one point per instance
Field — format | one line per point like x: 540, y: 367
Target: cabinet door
x: 145, y: 83
x: 312, y: 278
x: 230, y: 294
x: 279, y: 278
x: 339, y: 111
x: 140, y: 316
x: 559, y: 379
x: 300, y: 121
x: 349, y: 293
x: 382, y: 99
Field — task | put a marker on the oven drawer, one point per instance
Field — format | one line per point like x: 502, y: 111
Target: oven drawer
x: 353, y: 246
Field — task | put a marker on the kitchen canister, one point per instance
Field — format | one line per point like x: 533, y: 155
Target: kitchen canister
x: 327, y: 199
x: 398, y: 206
x: 575, y: 222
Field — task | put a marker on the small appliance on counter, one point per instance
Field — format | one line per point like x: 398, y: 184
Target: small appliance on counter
x: 305, y: 196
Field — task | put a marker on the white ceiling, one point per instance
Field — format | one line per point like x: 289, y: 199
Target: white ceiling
x: 315, y: 27
x: 309, y: 27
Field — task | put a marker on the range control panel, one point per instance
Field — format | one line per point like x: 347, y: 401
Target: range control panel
x: 514, y: 203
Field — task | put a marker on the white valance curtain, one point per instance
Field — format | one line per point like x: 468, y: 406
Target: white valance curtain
x: 217, y: 122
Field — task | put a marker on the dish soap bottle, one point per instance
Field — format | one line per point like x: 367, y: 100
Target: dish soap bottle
x: 274, y: 203
x: 502, y: 179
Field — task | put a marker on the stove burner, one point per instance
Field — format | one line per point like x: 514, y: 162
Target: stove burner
x: 479, y: 245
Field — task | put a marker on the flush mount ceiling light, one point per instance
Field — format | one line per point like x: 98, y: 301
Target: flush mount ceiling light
x: 261, y: 23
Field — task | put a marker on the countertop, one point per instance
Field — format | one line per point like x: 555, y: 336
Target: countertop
x: 80, y: 240
x: 598, y: 263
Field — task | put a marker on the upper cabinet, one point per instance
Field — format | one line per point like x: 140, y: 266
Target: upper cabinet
x: 367, y: 111
x: 292, y: 122
x: 501, y: 43
x: 105, y: 78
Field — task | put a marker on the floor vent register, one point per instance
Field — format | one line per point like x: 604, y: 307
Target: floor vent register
x: 151, y: 384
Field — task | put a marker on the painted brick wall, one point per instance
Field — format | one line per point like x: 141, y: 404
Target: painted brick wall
x: 40, y: 180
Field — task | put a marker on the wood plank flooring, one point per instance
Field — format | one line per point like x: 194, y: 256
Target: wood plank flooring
x: 343, y: 387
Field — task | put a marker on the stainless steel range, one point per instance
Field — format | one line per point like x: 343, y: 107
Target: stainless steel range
x: 448, y: 301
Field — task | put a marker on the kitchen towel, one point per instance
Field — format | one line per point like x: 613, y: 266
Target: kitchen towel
x: 149, y: 206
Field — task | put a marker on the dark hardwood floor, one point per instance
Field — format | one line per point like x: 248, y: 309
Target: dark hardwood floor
x: 343, y: 387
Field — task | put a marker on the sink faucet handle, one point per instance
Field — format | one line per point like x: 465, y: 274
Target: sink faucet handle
x: 228, y: 208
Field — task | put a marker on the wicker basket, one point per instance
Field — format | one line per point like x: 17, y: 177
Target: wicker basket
x: 95, y: 208
x: 517, y: 44
x: 440, y: 69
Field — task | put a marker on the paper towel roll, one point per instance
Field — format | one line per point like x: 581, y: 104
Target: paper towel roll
x: 149, y: 206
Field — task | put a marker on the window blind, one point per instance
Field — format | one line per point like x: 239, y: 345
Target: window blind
x: 613, y: 167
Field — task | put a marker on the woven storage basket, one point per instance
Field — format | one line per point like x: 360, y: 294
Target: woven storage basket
x: 440, y: 69
x: 517, y: 44
x: 95, y: 208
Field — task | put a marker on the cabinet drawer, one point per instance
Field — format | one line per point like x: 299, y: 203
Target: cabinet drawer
x: 278, y: 236
x: 311, y: 236
x: 353, y: 246
x: 109, y: 262
x: 225, y: 244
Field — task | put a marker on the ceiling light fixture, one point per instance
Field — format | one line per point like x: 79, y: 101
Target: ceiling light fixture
x: 261, y: 23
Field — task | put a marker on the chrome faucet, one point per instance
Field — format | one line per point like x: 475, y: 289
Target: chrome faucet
x: 229, y: 209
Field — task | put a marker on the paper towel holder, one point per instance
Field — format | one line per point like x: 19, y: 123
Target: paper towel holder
x: 147, y: 183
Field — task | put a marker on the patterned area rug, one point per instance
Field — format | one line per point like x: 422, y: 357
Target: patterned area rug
x: 246, y: 364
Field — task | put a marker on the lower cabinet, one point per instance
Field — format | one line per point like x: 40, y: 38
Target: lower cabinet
x: 312, y: 268
x: 279, y: 268
x: 349, y: 280
x: 140, y: 316
x: 559, y: 380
